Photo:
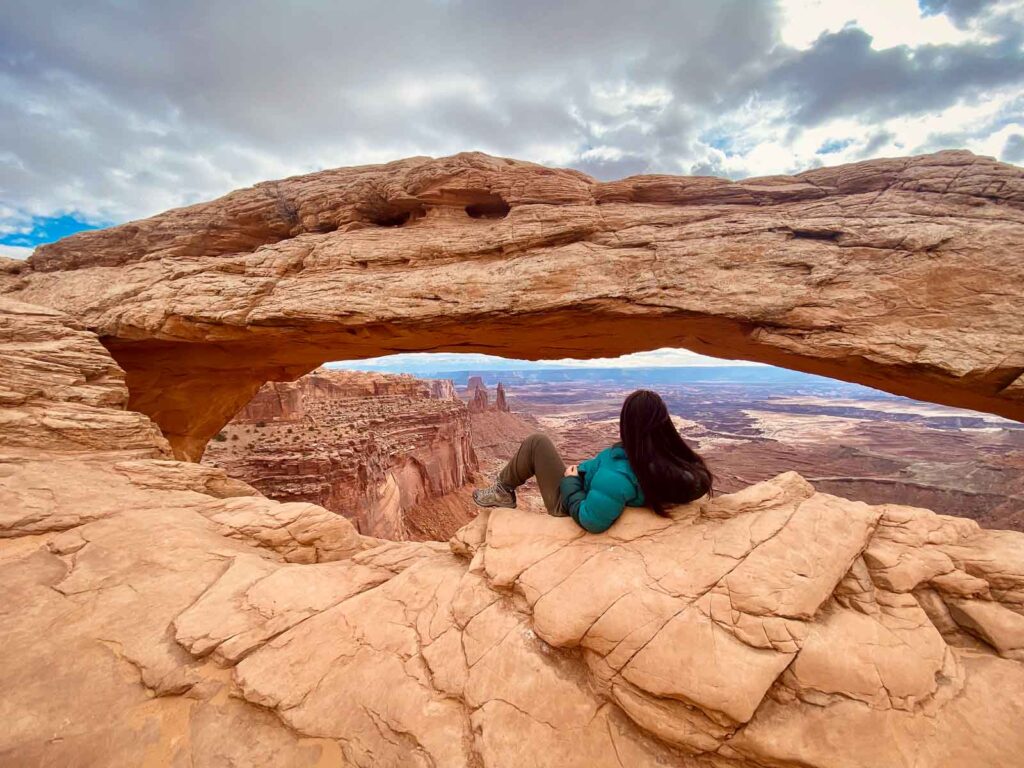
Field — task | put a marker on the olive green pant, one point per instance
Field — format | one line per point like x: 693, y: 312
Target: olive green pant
x: 537, y: 457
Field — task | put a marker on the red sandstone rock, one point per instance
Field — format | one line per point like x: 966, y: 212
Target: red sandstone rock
x: 478, y: 400
x: 442, y: 389
x: 773, y: 626
x: 902, y: 274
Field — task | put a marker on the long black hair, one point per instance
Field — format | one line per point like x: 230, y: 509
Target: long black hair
x: 669, y: 471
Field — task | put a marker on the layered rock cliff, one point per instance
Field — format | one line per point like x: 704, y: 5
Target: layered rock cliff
x: 383, y: 450
x: 158, y: 612
x: 903, y: 274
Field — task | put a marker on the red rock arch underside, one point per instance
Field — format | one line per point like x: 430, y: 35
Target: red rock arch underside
x: 901, y: 274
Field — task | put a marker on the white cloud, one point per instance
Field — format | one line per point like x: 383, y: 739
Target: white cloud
x: 656, y: 358
x: 122, y: 111
x: 414, y: 362
x: 13, y: 221
x: 15, y: 251
x: 889, y: 22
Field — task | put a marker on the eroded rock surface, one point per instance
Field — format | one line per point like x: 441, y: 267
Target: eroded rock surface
x: 156, y: 612
x: 387, y: 451
x: 903, y: 274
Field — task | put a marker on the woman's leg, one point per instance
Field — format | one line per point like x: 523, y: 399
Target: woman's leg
x: 537, y: 456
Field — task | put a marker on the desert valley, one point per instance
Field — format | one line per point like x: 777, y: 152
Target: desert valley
x: 753, y: 423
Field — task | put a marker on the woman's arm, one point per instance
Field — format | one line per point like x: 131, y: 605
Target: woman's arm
x: 597, y: 510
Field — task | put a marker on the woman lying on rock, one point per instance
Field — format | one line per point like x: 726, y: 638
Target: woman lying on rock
x: 652, y: 466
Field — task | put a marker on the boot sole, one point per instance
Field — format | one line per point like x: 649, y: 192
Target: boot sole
x: 494, y: 506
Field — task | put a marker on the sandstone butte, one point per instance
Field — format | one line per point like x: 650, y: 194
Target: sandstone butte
x: 157, y: 612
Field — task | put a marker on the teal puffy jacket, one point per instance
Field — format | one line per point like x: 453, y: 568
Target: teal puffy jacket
x: 605, y: 486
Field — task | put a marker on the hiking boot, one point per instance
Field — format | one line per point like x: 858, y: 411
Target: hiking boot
x: 496, y: 495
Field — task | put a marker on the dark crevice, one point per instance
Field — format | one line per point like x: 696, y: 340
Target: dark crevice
x: 491, y: 207
x: 324, y: 227
x: 816, y: 234
x: 391, y: 215
x: 393, y: 219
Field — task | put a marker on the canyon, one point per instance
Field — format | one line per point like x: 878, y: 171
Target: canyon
x: 162, y: 612
x: 392, y: 453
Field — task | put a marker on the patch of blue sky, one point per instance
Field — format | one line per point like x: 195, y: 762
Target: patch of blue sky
x: 46, y: 229
x: 724, y: 144
x: 833, y: 145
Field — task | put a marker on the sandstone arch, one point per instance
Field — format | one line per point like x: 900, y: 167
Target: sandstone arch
x: 902, y: 274
x: 186, y: 619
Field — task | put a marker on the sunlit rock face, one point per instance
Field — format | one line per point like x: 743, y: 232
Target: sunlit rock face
x: 383, y: 450
x: 158, y: 611
x: 903, y: 274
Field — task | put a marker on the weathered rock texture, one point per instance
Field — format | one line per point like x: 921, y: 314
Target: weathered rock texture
x: 903, y: 274
x: 386, y: 451
x: 158, y: 613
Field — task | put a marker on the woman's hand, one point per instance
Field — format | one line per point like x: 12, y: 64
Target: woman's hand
x: 572, y: 471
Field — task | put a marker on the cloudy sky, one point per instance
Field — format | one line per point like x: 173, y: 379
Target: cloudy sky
x: 114, y: 109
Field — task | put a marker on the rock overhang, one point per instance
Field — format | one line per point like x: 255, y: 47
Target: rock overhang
x: 901, y: 274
